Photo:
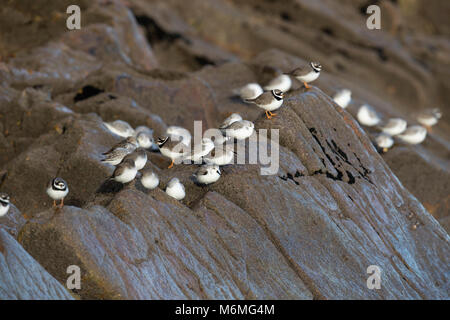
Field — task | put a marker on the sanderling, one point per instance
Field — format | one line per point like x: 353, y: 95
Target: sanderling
x: 413, y: 135
x: 249, y: 91
x: 139, y: 156
x: 384, y: 141
x: 239, y: 130
x: 125, y: 171
x: 343, y: 97
x: 394, y: 126
x: 429, y: 118
x: 283, y: 83
x: 120, y: 128
x: 207, y: 174
x: 149, y: 179
x: 229, y: 120
x: 175, y: 189
x: 367, y: 116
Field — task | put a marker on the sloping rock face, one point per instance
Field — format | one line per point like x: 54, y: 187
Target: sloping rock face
x: 310, y: 231
x: 22, y: 277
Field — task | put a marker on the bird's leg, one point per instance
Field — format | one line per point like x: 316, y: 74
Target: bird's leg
x: 62, y: 203
x: 385, y: 150
x: 171, y: 165
x: 267, y: 115
x: 428, y: 128
x: 306, y: 85
x: 54, y: 203
x: 272, y: 114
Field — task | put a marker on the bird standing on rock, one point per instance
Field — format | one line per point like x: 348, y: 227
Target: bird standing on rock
x: 342, y: 98
x: 171, y: 149
x: 4, y: 204
x: 414, y: 135
x: 175, y: 189
x: 125, y: 172
x: 269, y: 101
x: 139, y: 156
x: 149, y: 179
x: 230, y: 119
x: 394, y: 126
x: 120, y: 128
x: 384, y: 141
x: 429, y: 118
x: 367, y: 116
x: 239, y: 130
x: 207, y: 174
x: 57, y: 189
x: 249, y: 91
x: 307, y: 73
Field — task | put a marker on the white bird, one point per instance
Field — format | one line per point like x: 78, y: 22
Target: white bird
x: 249, y: 91
x: 219, y: 156
x: 384, y: 141
x: 4, y: 204
x: 429, y: 118
x: 414, y: 134
x: 120, y: 128
x: 207, y: 174
x: 173, y: 150
x: 144, y: 140
x: 57, y: 189
x: 198, y: 152
x: 175, y: 189
x: 179, y: 134
x: 283, y: 83
x: 139, y: 156
x: 125, y: 172
x: 367, y: 116
x: 149, y: 179
x: 229, y: 120
x: 343, y: 98
x: 239, y: 130
x: 269, y: 101
x: 307, y: 73
x: 394, y: 126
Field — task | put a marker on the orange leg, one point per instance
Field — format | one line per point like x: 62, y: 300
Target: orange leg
x: 171, y: 165
x: 428, y: 128
x: 272, y: 114
x: 306, y: 85
x: 267, y: 115
x: 54, y: 203
x: 62, y: 203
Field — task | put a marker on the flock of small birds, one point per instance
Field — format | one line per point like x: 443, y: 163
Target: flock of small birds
x: 129, y: 156
x: 393, y: 127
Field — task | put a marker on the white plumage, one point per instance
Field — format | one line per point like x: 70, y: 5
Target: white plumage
x: 367, y: 116
x: 414, y: 134
x: 175, y: 189
x: 343, y: 98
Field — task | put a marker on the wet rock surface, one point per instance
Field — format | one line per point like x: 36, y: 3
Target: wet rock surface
x: 310, y: 231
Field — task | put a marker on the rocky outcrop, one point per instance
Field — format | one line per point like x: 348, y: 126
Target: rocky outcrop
x: 310, y: 231
x: 22, y: 277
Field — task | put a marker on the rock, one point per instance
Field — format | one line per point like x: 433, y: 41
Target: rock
x: 310, y: 231
x: 22, y: 277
